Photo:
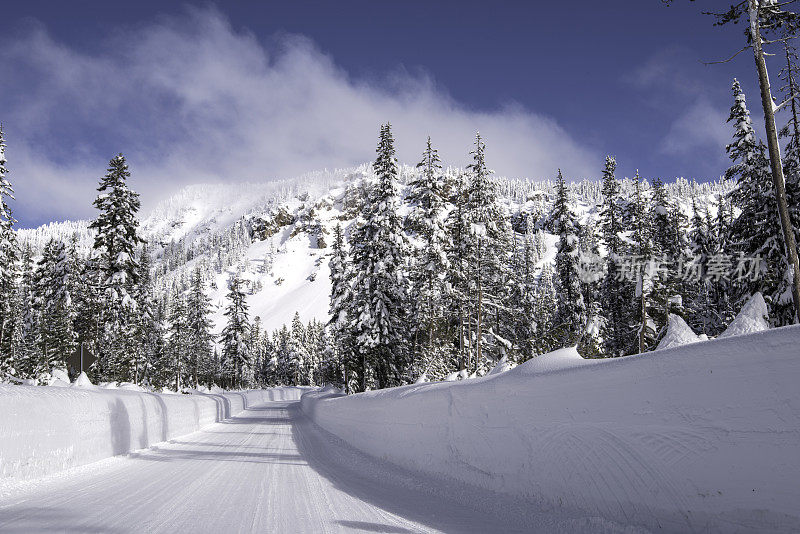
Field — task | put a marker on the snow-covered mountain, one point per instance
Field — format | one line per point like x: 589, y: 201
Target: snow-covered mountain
x: 276, y: 234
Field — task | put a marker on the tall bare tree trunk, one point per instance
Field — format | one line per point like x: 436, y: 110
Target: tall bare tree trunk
x: 775, y: 155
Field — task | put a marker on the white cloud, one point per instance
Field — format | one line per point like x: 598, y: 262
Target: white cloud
x: 701, y: 126
x: 190, y: 99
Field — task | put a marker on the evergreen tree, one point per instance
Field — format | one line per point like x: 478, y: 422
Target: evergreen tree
x: 199, y: 325
x: 379, y: 250
x: 178, y: 341
x: 297, y: 355
x: 570, y: 318
x: 235, y: 350
x: 343, y: 344
x: 8, y: 260
x: 25, y: 354
x: 115, y: 245
x: 790, y: 74
x: 756, y: 232
x: 616, y: 291
x: 430, y: 265
x: 54, y: 303
x: 457, y: 276
x: 642, y: 249
x: 487, y: 253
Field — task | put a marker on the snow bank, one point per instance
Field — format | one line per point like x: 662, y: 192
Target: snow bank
x: 752, y: 318
x: 45, y: 429
x: 701, y: 437
x: 678, y: 333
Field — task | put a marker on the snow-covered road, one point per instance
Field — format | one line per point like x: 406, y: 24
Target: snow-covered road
x: 270, y: 469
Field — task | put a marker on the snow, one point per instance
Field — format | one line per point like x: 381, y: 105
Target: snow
x: 267, y: 469
x: 678, y: 333
x: 698, y: 437
x: 46, y: 430
x: 83, y: 382
x: 752, y: 318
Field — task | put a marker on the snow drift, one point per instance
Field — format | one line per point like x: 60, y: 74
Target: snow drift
x: 46, y: 429
x: 678, y: 333
x: 701, y: 437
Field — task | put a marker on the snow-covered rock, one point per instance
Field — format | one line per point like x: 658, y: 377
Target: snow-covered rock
x: 678, y: 333
x: 752, y: 318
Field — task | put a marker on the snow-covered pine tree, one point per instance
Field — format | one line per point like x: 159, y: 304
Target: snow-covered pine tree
x: 570, y: 319
x: 642, y: 249
x: 591, y: 344
x: 53, y: 286
x: 235, y: 350
x: 457, y: 276
x: 27, y: 325
x: 115, y: 245
x: 256, y: 349
x: 429, y: 266
x: 616, y: 294
x: 178, y: 341
x: 669, y: 251
x: 379, y: 251
x: 698, y: 291
x: 487, y: 255
x: 546, y: 305
x: 8, y: 262
x: 297, y: 354
x: 199, y: 325
x: 281, y: 344
x: 522, y: 295
x: 342, y: 342
x: 790, y: 91
x: 756, y: 232
x: 143, y: 320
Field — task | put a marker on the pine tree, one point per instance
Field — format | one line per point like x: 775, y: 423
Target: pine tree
x: 297, y: 355
x: 430, y: 265
x: 379, y: 250
x: 343, y: 344
x: 642, y: 250
x: 54, y: 303
x: 756, y: 232
x: 790, y: 74
x: 668, y: 253
x: 235, y: 350
x: 25, y: 355
x: 457, y: 276
x: 487, y: 253
x: 616, y: 292
x: 178, y: 341
x: 115, y: 245
x: 8, y: 260
x: 199, y: 325
x: 570, y: 318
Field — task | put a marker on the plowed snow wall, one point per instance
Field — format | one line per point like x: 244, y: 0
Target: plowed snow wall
x: 699, y: 437
x: 47, y: 429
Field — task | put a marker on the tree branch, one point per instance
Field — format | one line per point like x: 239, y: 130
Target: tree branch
x: 726, y: 60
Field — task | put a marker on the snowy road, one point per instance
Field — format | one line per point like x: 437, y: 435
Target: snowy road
x: 267, y: 470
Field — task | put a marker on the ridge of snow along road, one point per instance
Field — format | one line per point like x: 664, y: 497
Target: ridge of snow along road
x: 44, y: 430
x: 699, y: 437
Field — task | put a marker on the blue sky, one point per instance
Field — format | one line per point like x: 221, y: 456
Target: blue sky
x: 247, y: 91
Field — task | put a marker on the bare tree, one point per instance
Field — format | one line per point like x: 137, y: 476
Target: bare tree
x: 765, y: 16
